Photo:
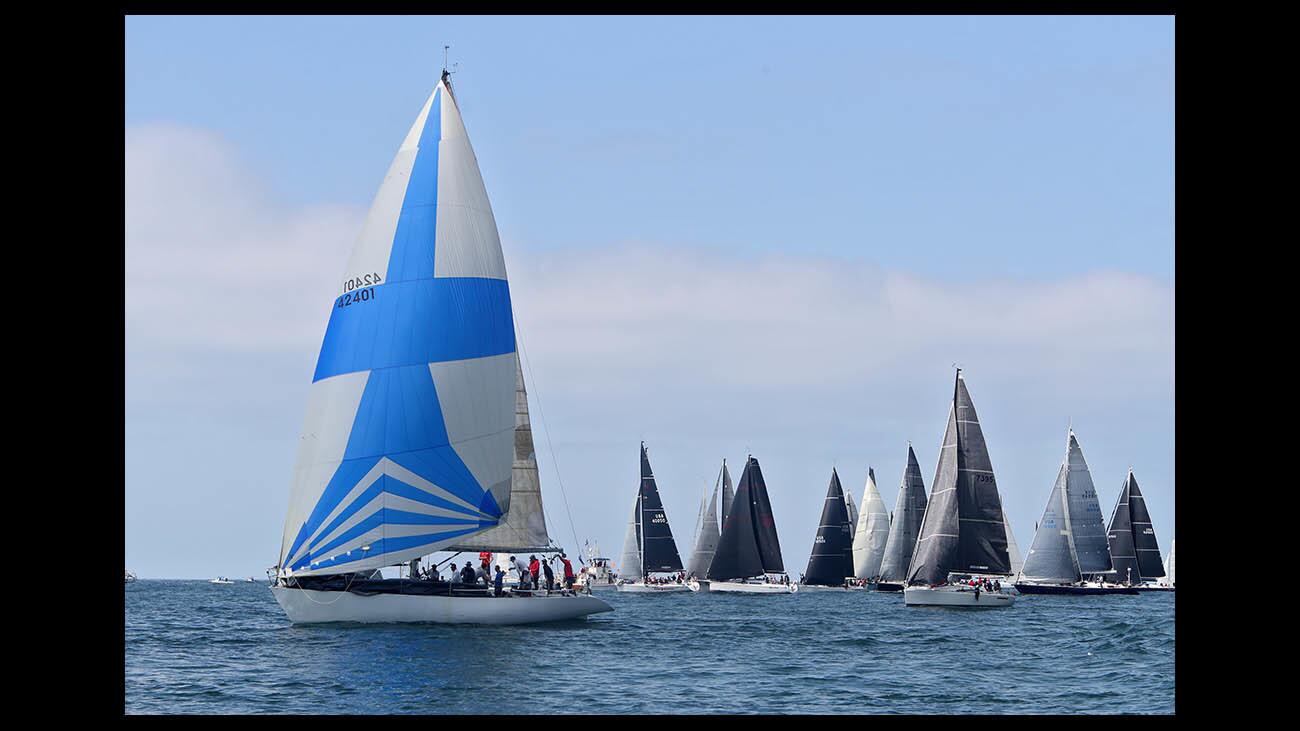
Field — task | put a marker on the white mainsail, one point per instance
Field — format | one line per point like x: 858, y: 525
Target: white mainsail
x: 1169, y: 565
x: 406, y: 447
x: 872, y: 531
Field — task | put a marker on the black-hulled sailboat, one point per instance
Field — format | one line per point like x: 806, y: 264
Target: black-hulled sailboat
x: 963, y: 538
x: 749, y: 554
x: 655, y: 551
x: 1133, y: 547
x: 830, y: 564
x: 909, y: 510
x: 1070, y: 546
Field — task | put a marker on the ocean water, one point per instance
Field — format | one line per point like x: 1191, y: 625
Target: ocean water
x: 195, y: 647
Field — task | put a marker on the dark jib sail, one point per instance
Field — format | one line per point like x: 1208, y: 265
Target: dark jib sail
x: 748, y: 546
x: 728, y: 494
x: 832, y: 551
x: 1133, y: 548
x: 963, y: 530
x: 909, y: 510
x: 658, y: 549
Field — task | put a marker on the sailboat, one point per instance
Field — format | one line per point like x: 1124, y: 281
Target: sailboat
x: 130, y: 577
x: 904, y: 527
x: 1070, y: 544
x: 851, y: 507
x: 410, y: 442
x: 706, y: 532
x: 656, y: 551
x: 1133, y: 547
x: 872, y: 532
x: 1169, y: 568
x: 963, y: 537
x: 749, y: 553
x: 831, y: 562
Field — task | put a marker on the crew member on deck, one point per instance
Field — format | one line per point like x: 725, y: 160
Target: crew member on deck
x: 568, y: 572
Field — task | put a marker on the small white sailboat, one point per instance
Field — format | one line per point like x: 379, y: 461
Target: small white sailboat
x: 656, y: 551
x: 130, y: 577
x: 1070, y: 554
x: 412, y: 443
x: 1169, y: 568
x: 872, y: 532
x: 830, y: 562
x: 749, y: 554
x: 962, y: 546
x: 904, y: 527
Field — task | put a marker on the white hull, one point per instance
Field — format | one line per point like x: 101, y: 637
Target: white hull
x: 639, y: 588
x: 817, y: 588
x: 954, y: 596
x: 310, y: 607
x: 741, y: 587
x: 698, y: 585
x: 601, y: 586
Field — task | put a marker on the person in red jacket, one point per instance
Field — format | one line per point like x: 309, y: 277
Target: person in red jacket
x: 534, y: 568
x: 568, y: 572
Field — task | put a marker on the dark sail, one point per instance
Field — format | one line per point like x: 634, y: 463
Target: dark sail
x: 658, y: 549
x: 737, y: 556
x: 1150, y: 565
x: 727, y: 493
x: 832, y: 552
x: 963, y: 530
x: 905, y: 523
x: 1120, y: 537
x: 764, y: 522
x: 1087, y: 528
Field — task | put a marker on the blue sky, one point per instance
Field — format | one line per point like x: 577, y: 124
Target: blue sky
x: 773, y: 233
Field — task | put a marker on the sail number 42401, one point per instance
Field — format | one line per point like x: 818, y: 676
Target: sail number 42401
x: 365, y: 280
x: 361, y: 295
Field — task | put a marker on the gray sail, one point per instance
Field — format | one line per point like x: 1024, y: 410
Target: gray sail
x: 851, y: 507
x: 728, y: 494
x: 1051, y: 556
x: 963, y: 529
x: 1087, y: 527
x: 909, y: 510
x: 706, y: 534
x: 629, y: 566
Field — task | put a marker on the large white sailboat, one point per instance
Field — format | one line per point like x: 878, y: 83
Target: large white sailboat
x: 963, y: 539
x: 413, y: 441
x: 655, y: 551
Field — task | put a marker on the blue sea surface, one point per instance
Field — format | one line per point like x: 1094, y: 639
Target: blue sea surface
x: 195, y: 647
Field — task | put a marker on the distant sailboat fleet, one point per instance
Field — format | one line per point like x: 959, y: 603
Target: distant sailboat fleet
x: 417, y: 441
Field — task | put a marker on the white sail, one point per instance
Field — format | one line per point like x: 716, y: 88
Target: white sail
x: 706, y: 534
x: 523, y: 529
x: 406, y: 447
x: 1013, y: 551
x: 872, y: 531
x: 629, y: 566
x: 1169, y: 565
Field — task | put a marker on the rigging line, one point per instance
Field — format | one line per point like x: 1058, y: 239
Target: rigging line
x: 555, y: 463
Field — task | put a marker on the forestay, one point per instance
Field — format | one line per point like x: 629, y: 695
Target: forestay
x: 406, y: 447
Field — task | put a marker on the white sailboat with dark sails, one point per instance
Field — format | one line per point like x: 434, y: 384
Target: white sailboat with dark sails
x: 1070, y: 554
x: 963, y: 539
x: 830, y: 564
x: 411, y: 442
x: 655, y: 551
x: 748, y: 559
x: 1133, y: 547
x: 904, y: 527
